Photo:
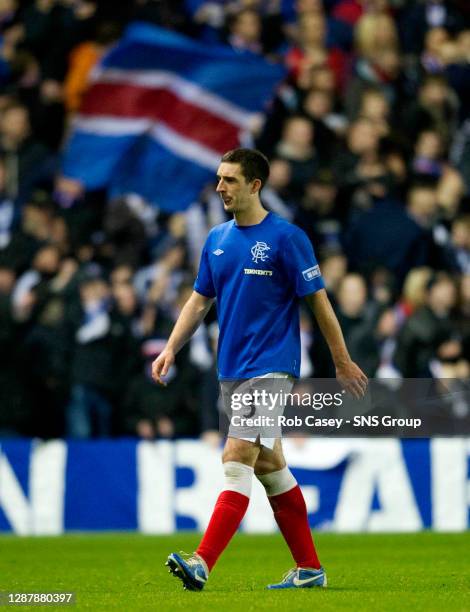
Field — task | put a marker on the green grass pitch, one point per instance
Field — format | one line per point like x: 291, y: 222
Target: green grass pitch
x: 126, y: 572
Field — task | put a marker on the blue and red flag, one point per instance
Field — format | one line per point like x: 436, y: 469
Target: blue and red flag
x: 160, y: 111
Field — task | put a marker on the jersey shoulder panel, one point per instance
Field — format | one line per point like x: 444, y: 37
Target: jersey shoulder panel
x: 288, y: 232
x: 221, y: 228
x: 217, y: 232
x: 286, y: 227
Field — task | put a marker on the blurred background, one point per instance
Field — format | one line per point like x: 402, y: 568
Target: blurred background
x: 366, y: 125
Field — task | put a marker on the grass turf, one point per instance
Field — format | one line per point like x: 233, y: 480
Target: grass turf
x: 424, y: 571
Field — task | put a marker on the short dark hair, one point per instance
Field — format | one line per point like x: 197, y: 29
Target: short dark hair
x: 253, y: 163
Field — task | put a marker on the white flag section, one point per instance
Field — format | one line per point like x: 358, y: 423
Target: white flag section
x: 378, y: 468
x: 156, y: 483
x: 359, y: 485
x: 450, y: 484
x: 41, y: 513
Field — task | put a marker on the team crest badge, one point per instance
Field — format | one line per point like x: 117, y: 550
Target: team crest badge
x: 258, y: 251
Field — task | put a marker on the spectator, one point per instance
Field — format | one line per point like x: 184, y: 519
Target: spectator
x: 463, y: 315
x: 47, y: 112
x: 46, y: 363
x: 151, y: 411
x: 280, y: 177
x: 33, y: 286
x: 432, y: 58
x: 297, y: 146
x: 428, y: 155
x: 100, y: 350
x: 334, y: 267
x: 277, y: 196
x: 162, y: 279
x: 52, y: 29
x: 15, y: 400
x: 373, y: 33
x: 414, y: 290
x: 126, y: 232
x: 392, y: 237
x: 317, y: 104
x: 24, y: 231
x: 357, y: 318
x: 245, y: 31
x: 450, y: 192
x: 209, y: 18
x: 385, y: 333
x: 432, y: 110
x: 457, y: 70
x: 361, y: 171
x: 380, y: 69
x: 429, y: 333
x: 457, y: 248
x: 375, y: 107
x: 338, y: 32
x: 161, y: 412
x: 421, y: 16
x: 317, y: 214
x: 318, y: 77
x: 311, y: 52
x: 27, y: 161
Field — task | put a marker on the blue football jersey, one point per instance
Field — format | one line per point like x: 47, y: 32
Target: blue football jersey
x: 257, y: 274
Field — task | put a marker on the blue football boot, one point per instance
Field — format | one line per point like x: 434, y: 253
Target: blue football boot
x: 300, y: 578
x: 192, y: 571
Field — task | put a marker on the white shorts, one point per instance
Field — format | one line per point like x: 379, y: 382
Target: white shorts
x: 266, y: 431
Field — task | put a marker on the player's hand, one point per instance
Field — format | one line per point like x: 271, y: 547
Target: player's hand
x: 162, y: 364
x: 352, y: 378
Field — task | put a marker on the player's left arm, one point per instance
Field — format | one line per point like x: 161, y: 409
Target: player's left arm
x: 348, y: 373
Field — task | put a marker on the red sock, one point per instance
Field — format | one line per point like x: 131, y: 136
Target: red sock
x: 290, y: 513
x: 229, y: 510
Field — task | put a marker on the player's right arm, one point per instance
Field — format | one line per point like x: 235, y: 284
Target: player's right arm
x: 190, y: 318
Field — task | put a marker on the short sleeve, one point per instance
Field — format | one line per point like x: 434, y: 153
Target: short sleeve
x: 301, y: 264
x: 204, y: 283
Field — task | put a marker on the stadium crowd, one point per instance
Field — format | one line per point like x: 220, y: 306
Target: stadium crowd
x: 369, y: 143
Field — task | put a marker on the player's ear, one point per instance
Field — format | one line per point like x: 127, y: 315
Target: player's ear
x: 255, y: 186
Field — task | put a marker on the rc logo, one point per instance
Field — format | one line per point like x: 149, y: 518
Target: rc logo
x: 258, y: 251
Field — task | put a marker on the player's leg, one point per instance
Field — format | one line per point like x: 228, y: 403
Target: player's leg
x: 270, y: 460
x: 239, y: 458
x: 290, y: 512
